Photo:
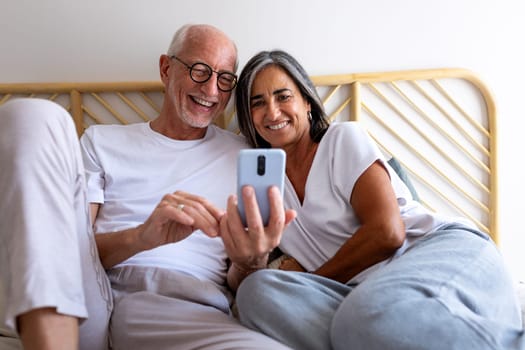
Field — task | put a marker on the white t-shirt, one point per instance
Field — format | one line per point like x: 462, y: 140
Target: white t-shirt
x: 130, y: 168
x: 326, y: 220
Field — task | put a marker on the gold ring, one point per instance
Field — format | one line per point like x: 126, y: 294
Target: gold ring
x: 180, y: 207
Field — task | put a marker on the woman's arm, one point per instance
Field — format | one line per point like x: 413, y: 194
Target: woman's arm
x: 382, y: 230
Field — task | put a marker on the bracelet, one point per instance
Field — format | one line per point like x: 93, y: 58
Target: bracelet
x: 245, y: 272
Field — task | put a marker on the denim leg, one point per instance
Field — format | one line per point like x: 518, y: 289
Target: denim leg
x: 292, y: 307
x: 449, y: 291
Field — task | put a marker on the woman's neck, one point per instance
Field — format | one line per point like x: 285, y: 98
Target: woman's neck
x: 298, y: 163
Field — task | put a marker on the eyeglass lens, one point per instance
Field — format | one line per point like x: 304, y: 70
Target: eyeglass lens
x: 201, y: 73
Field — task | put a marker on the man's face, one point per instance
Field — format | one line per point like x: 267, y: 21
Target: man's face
x: 198, y: 104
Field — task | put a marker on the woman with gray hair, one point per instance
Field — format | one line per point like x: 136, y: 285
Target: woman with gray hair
x: 317, y: 116
x: 369, y: 266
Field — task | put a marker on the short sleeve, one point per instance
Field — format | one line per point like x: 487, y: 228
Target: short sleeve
x: 354, y: 152
x: 94, y: 172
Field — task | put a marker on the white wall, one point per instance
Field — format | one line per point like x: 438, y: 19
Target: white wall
x: 106, y: 40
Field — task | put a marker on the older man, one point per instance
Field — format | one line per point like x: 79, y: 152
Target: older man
x: 156, y: 191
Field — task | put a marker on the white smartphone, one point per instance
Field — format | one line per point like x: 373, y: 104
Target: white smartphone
x: 260, y: 168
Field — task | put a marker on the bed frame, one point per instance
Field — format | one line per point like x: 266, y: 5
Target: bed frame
x: 440, y: 124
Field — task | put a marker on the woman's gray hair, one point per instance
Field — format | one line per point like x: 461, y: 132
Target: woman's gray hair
x: 319, y: 122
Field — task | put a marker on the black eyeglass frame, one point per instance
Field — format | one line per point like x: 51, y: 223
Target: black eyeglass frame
x: 191, y: 69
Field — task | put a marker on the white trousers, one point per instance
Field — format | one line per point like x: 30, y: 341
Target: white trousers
x: 158, y: 308
x: 48, y: 256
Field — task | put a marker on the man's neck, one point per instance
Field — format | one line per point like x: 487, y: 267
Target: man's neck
x: 176, y: 129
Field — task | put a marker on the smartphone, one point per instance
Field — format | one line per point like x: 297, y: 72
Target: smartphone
x: 260, y: 168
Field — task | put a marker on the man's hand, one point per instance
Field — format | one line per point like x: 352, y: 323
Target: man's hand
x: 176, y: 217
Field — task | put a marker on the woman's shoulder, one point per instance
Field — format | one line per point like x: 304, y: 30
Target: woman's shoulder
x: 346, y: 126
x: 349, y: 130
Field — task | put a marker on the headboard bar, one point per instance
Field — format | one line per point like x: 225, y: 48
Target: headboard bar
x: 76, y: 110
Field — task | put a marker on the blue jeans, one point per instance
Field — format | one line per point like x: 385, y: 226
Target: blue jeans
x: 450, y: 290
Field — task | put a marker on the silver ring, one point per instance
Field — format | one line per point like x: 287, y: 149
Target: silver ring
x: 180, y: 207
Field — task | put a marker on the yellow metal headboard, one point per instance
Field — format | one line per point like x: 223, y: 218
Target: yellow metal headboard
x: 440, y: 124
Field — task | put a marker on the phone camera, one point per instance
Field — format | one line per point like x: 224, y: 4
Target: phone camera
x: 261, y: 165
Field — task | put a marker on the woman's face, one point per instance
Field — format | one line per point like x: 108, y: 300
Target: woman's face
x: 279, y: 111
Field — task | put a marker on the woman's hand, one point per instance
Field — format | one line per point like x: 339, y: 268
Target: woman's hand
x: 248, y: 247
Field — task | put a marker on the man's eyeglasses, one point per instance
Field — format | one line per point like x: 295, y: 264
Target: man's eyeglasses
x: 201, y: 73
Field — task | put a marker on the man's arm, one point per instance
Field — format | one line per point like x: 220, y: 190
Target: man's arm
x: 168, y: 223
x: 115, y: 247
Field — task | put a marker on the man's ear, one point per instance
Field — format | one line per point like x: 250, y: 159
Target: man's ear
x: 164, y: 65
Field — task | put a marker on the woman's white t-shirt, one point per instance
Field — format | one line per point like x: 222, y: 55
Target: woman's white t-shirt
x: 326, y: 220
